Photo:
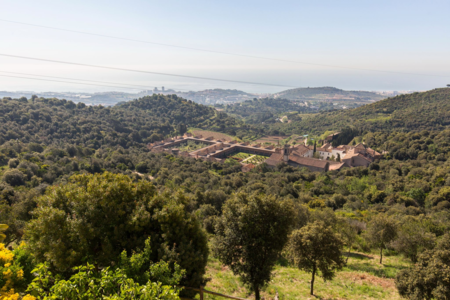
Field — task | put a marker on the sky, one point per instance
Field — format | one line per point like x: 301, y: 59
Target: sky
x: 353, y: 45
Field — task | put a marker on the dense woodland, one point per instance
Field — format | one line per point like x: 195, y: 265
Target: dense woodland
x: 85, y: 201
x: 413, y: 112
x: 268, y: 110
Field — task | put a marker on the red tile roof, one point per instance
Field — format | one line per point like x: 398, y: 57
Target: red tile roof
x: 306, y: 161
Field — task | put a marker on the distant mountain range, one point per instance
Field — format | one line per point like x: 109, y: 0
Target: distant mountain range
x: 214, y: 96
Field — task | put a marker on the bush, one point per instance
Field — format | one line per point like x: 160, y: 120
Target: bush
x: 428, y: 279
x: 90, y: 283
x: 14, y: 177
x: 12, y: 278
x: 13, y: 163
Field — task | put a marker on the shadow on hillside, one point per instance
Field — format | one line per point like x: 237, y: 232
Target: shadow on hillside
x: 356, y: 255
x: 384, y: 271
x: 322, y: 298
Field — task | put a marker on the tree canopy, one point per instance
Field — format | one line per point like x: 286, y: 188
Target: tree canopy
x: 94, y: 218
x: 315, y: 247
x: 250, y: 236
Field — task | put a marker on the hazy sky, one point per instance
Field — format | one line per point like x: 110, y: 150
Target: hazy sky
x: 398, y: 36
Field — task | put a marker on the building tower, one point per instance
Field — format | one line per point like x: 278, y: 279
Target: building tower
x: 162, y: 89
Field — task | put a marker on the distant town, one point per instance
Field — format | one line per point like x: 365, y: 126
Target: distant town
x: 214, y: 96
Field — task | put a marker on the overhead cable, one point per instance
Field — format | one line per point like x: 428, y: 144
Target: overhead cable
x: 220, y: 52
x: 82, y: 83
x: 142, y: 71
x: 133, y: 86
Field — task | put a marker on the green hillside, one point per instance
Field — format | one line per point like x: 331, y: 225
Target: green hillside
x: 267, y: 110
x: 85, y: 170
x: 413, y: 112
x: 327, y: 93
x: 147, y: 119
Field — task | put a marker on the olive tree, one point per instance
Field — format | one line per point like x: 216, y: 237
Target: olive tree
x: 315, y: 247
x: 250, y: 235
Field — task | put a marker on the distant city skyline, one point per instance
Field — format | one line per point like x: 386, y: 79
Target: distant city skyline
x: 395, y: 36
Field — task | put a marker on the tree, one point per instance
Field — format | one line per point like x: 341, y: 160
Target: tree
x: 316, y: 247
x: 429, y: 278
x: 381, y: 231
x: 349, y: 234
x: 413, y: 238
x: 181, y: 129
x: 250, y: 234
x: 93, y: 218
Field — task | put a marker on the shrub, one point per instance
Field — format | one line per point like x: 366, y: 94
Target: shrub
x: 14, y: 177
x: 13, y: 163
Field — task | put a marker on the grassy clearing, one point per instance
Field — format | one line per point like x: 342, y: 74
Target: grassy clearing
x: 308, y: 116
x: 256, y: 159
x: 379, y: 118
x: 362, y: 278
x: 240, y: 155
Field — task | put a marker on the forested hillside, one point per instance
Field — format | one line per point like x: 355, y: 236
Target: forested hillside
x: 412, y: 112
x: 268, y: 110
x: 327, y: 93
x: 136, y: 122
x: 141, y: 220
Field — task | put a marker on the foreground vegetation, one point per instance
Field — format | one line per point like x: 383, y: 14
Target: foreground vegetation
x: 92, y: 204
x: 362, y: 278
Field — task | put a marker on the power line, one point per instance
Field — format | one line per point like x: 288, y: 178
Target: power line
x: 133, y: 86
x: 219, y: 52
x: 41, y: 79
x: 141, y: 71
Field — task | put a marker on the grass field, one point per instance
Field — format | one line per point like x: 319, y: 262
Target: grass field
x: 256, y: 159
x: 362, y: 278
x: 248, y: 158
x: 240, y: 155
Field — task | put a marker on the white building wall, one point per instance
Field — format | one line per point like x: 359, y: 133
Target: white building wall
x: 336, y: 151
x: 324, y: 154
